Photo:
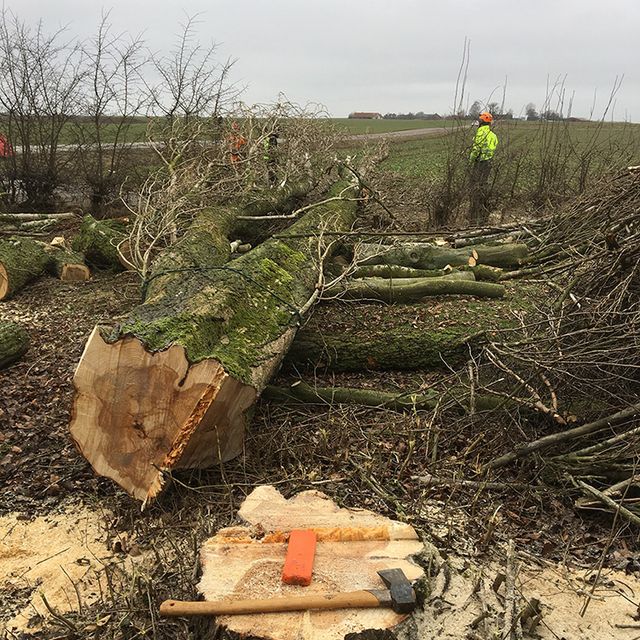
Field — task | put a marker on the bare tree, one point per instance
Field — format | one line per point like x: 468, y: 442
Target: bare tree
x: 192, y: 82
x: 112, y: 98
x: 40, y: 76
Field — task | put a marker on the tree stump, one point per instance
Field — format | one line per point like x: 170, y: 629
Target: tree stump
x: 353, y: 544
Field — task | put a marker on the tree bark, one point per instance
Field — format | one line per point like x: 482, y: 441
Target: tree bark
x: 414, y: 289
x: 21, y: 260
x: 98, y: 240
x: 302, y: 393
x: 426, y: 256
x: 169, y: 387
x: 14, y: 342
x: 404, y: 348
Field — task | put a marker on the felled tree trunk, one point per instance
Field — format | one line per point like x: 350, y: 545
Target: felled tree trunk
x: 426, y: 256
x: 21, y: 260
x: 394, y: 271
x: 414, y: 289
x: 98, y: 240
x: 169, y: 387
x: 302, y: 393
x: 404, y: 348
x: 14, y: 342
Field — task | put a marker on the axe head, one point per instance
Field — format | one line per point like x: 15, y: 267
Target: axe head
x: 403, y: 597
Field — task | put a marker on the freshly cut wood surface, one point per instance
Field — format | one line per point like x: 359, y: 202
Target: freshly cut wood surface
x: 150, y: 432
x: 246, y: 562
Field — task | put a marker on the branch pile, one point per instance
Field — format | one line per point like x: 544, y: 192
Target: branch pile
x: 580, y: 363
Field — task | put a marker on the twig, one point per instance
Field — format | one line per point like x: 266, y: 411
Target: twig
x: 612, y: 504
x: 556, y: 438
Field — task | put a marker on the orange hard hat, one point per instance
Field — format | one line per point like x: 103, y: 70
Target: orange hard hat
x: 485, y: 116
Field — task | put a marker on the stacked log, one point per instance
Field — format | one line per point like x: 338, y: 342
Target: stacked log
x: 169, y: 387
x: 415, y: 289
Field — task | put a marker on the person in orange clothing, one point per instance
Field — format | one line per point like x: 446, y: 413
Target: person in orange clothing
x: 237, y: 144
x: 6, y: 149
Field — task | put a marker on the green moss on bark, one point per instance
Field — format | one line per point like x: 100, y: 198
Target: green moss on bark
x: 237, y: 313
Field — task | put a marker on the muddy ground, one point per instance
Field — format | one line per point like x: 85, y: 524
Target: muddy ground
x: 104, y: 567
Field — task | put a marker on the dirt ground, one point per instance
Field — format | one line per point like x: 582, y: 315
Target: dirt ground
x: 103, y: 567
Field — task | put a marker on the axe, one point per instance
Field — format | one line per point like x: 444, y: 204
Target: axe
x: 399, y: 595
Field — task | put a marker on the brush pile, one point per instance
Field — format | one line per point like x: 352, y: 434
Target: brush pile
x: 578, y: 364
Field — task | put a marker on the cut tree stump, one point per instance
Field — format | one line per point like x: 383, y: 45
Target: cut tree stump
x: 14, y: 342
x: 353, y: 544
x: 169, y: 387
x: 426, y: 256
x: 21, y: 260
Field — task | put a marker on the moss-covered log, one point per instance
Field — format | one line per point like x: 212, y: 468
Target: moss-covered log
x: 67, y: 265
x: 21, y: 260
x: 303, y: 393
x: 427, y: 256
x: 403, y: 348
x: 414, y: 289
x: 481, y: 272
x: 169, y: 387
x: 14, y: 342
x: 394, y: 271
x: 98, y: 241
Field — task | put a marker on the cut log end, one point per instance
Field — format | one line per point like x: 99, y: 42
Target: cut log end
x: 75, y: 273
x: 158, y: 415
x: 4, y: 282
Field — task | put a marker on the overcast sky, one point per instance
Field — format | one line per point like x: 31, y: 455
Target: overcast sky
x: 400, y: 55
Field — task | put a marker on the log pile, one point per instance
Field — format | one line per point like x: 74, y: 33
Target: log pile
x: 169, y: 387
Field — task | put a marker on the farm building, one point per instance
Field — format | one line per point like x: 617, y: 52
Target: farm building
x: 365, y: 115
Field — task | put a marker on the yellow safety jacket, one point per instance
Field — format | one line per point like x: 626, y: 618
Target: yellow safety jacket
x: 484, y: 144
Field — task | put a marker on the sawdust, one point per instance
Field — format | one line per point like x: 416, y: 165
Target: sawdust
x: 562, y: 591
x: 59, y: 556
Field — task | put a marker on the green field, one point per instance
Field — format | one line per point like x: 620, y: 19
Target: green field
x: 570, y: 142
x: 353, y: 126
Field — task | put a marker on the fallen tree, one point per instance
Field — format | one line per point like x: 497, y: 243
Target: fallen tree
x: 303, y: 393
x: 67, y: 265
x: 404, y: 348
x: 169, y: 387
x: 431, y: 256
x: 14, y: 342
x: 414, y: 289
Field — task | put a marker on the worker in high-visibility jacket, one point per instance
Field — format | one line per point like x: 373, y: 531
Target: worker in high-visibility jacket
x: 482, y: 150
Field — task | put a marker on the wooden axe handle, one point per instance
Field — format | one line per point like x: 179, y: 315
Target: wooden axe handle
x: 351, y: 600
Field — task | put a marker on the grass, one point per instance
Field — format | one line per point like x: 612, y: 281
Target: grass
x: 577, y: 146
